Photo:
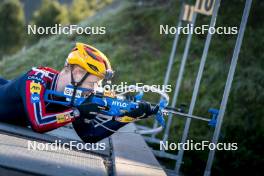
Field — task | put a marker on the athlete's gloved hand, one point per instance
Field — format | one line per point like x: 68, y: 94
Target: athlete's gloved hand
x: 129, y: 97
x: 144, y: 110
x: 87, y: 108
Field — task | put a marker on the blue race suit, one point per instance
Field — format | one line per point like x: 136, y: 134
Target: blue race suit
x: 22, y: 103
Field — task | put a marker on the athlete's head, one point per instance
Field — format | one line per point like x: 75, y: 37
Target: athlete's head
x: 85, y: 67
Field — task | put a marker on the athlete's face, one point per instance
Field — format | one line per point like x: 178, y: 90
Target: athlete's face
x: 91, y: 82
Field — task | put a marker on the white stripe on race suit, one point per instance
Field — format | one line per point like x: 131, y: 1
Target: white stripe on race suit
x: 44, y: 117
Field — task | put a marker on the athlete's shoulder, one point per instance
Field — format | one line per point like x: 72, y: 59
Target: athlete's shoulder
x: 41, y: 74
x: 48, y: 69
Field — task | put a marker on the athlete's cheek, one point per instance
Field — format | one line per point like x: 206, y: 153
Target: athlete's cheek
x: 89, y: 85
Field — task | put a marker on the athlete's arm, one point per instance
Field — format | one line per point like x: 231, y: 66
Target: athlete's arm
x: 40, y: 120
x: 92, y: 131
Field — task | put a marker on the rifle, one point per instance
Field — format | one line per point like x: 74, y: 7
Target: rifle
x: 113, y: 106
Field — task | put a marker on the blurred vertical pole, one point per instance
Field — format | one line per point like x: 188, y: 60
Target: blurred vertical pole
x: 171, y: 59
x: 197, y: 85
x: 228, y: 85
x: 179, y: 79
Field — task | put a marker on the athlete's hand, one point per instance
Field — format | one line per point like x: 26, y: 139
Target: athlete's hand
x: 87, y: 108
x: 144, y: 110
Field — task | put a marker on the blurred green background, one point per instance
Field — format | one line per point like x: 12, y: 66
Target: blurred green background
x: 140, y: 54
